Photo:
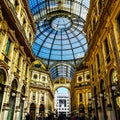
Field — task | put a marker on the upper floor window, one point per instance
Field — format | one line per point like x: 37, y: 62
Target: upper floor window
x: 42, y: 96
x: 89, y: 95
x: 107, y: 51
x: 101, y: 2
x: 16, y: 3
x: 43, y: 78
x: 81, y: 97
x: 88, y: 76
x: 92, y: 70
x: 98, y: 63
x: 35, y: 76
x: 80, y: 78
x: 8, y: 47
x: 19, y: 58
x: 34, y: 95
x: 26, y: 70
x: 7, y: 50
x: 118, y: 22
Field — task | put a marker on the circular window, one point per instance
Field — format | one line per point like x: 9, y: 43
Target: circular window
x: 35, y: 76
x: 61, y: 23
x: 80, y: 78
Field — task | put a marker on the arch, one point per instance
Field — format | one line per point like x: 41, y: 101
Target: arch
x: 33, y: 111
x: 67, y: 86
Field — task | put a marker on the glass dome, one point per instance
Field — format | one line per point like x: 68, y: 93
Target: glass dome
x: 59, y: 35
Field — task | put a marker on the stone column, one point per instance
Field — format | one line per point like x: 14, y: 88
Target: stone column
x: 17, y: 110
x: 110, y: 112
x: 99, y: 109
x: 5, y: 107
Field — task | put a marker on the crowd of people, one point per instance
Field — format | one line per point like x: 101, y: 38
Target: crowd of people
x: 61, y: 117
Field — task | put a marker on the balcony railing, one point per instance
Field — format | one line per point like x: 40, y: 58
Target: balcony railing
x: 86, y: 84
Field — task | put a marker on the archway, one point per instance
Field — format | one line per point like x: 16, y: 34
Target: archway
x: 32, y: 111
x: 62, y: 102
x: 2, y: 85
x: 22, y: 101
x: 12, y: 100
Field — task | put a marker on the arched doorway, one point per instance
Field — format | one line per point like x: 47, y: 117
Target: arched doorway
x: 12, y: 100
x: 62, y: 102
x: 32, y: 111
x: 103, y: 100
x: 22, y: 102
x: 42, y: 110
x: 2, y: 85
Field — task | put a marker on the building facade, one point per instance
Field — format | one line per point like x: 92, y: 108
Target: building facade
x: 16, y: 36
x: 62, y: 104
x: 24, y: 86
x: 41, y: 96
x: 103, y: 57
x: 80, y: 91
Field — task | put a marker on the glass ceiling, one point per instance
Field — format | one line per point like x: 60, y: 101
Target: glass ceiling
x: 59, y: 35
x: 62, y: 70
